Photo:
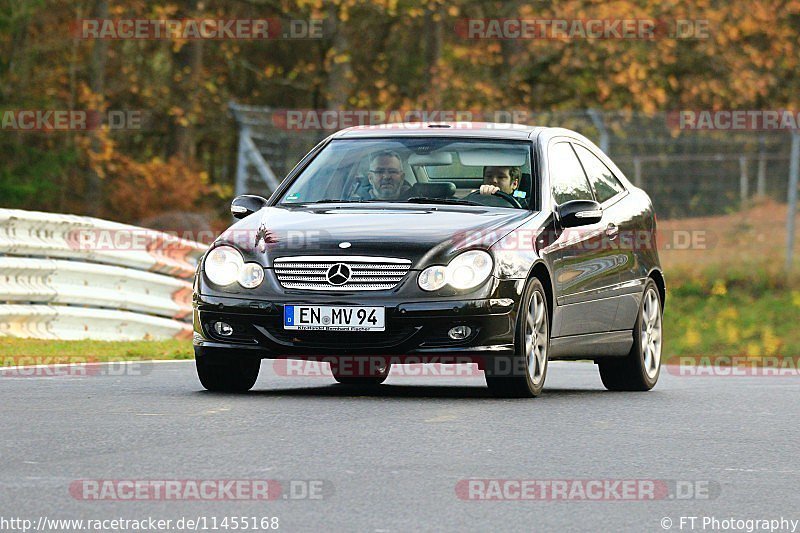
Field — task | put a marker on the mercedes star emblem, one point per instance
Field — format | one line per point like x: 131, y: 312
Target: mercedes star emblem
x: 339, y: 274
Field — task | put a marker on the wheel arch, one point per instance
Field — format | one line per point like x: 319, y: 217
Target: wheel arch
x: 540, y: 272
x: 658, y: 278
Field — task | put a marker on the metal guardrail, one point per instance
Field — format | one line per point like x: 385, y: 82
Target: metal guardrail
x: 72, y: 277
x: 37, y: 234
x: 78, y: 323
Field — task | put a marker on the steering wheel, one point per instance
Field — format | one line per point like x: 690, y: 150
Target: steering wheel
x: 508, y: 198
x: 500, y: 194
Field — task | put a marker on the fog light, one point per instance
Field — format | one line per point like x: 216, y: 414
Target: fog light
x: 223, y: 328
x: 459, y: 333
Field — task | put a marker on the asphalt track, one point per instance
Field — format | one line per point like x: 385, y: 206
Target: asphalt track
x: 391, y: 459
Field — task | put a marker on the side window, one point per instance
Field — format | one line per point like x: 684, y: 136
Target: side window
x: 569, y: 181
x: 604, y: 183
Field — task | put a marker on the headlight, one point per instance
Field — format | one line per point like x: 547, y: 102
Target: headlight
x: 466, y: 271
x: 252, y: 275
x: 469, y: 269
x: 433, y: 278
x: 224, y: 265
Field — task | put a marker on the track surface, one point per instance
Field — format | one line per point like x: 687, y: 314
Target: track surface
x: 390, y: 458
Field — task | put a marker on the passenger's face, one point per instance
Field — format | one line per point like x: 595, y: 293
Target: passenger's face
x: 386, y: 177
x: 500, y: 177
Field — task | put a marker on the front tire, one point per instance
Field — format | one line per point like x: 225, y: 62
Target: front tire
x: 639, y: 370
x: 227, y: 373
x: 528, y: 370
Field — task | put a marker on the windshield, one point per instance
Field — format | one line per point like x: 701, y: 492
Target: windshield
x: 418, y: 170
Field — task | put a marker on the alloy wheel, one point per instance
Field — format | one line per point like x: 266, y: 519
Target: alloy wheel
x: 536, y: 332
x: 650, y: 333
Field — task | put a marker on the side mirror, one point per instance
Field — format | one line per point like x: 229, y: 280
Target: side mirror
x: 246, y: 204
x: 579, y: 213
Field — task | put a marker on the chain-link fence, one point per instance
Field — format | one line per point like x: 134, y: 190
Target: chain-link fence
x: 686, y: 172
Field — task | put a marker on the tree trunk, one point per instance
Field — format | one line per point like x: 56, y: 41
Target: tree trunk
x: 190, y: 57
x: 186, y: 135
x: 433, y: 45
x: 338, y: 84
x: 97, y: 82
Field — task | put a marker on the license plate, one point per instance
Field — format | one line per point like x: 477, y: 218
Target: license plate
x: 333, y: 318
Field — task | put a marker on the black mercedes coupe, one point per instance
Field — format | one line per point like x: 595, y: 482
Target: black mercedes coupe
x: 502, y: 245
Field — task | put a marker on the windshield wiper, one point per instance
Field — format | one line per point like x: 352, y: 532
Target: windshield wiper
x: 429, y: 200
x: 329, y: 201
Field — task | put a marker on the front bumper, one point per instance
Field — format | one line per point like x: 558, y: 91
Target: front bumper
x: 413, y: 326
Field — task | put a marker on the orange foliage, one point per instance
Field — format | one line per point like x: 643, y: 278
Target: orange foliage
x: 139, y: 190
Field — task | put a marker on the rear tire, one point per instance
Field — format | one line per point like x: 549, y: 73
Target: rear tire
x: 528, y: 369
x: 228, y: 373
x: 639, y: 370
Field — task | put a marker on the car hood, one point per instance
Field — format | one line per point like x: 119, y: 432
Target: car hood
x: 426, y: 234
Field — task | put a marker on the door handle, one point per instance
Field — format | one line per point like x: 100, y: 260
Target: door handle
x: 612, y: 230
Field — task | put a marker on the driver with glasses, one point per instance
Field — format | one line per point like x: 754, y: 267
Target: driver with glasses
x: 386, y: 176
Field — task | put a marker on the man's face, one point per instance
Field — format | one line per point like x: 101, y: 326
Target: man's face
x: 500, y: 177
x: 386, y: 177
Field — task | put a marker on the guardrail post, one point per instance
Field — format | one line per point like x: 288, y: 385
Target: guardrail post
x: 637, y: 171
x: 605, y: 140
x: 761, y: 180
x: 744, y: 185
x: 241, y: 160
x: 794, y: 170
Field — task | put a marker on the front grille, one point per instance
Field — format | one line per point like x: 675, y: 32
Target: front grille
x: 365, y: 273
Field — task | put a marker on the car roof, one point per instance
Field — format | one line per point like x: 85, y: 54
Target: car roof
x: 485, y: 130
x: 475, y: 130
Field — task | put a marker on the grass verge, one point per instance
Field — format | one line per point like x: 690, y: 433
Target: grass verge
x: 732, y: 309
x: 15, y: 351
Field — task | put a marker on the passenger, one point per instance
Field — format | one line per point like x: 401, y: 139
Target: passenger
x: 504, y: 179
